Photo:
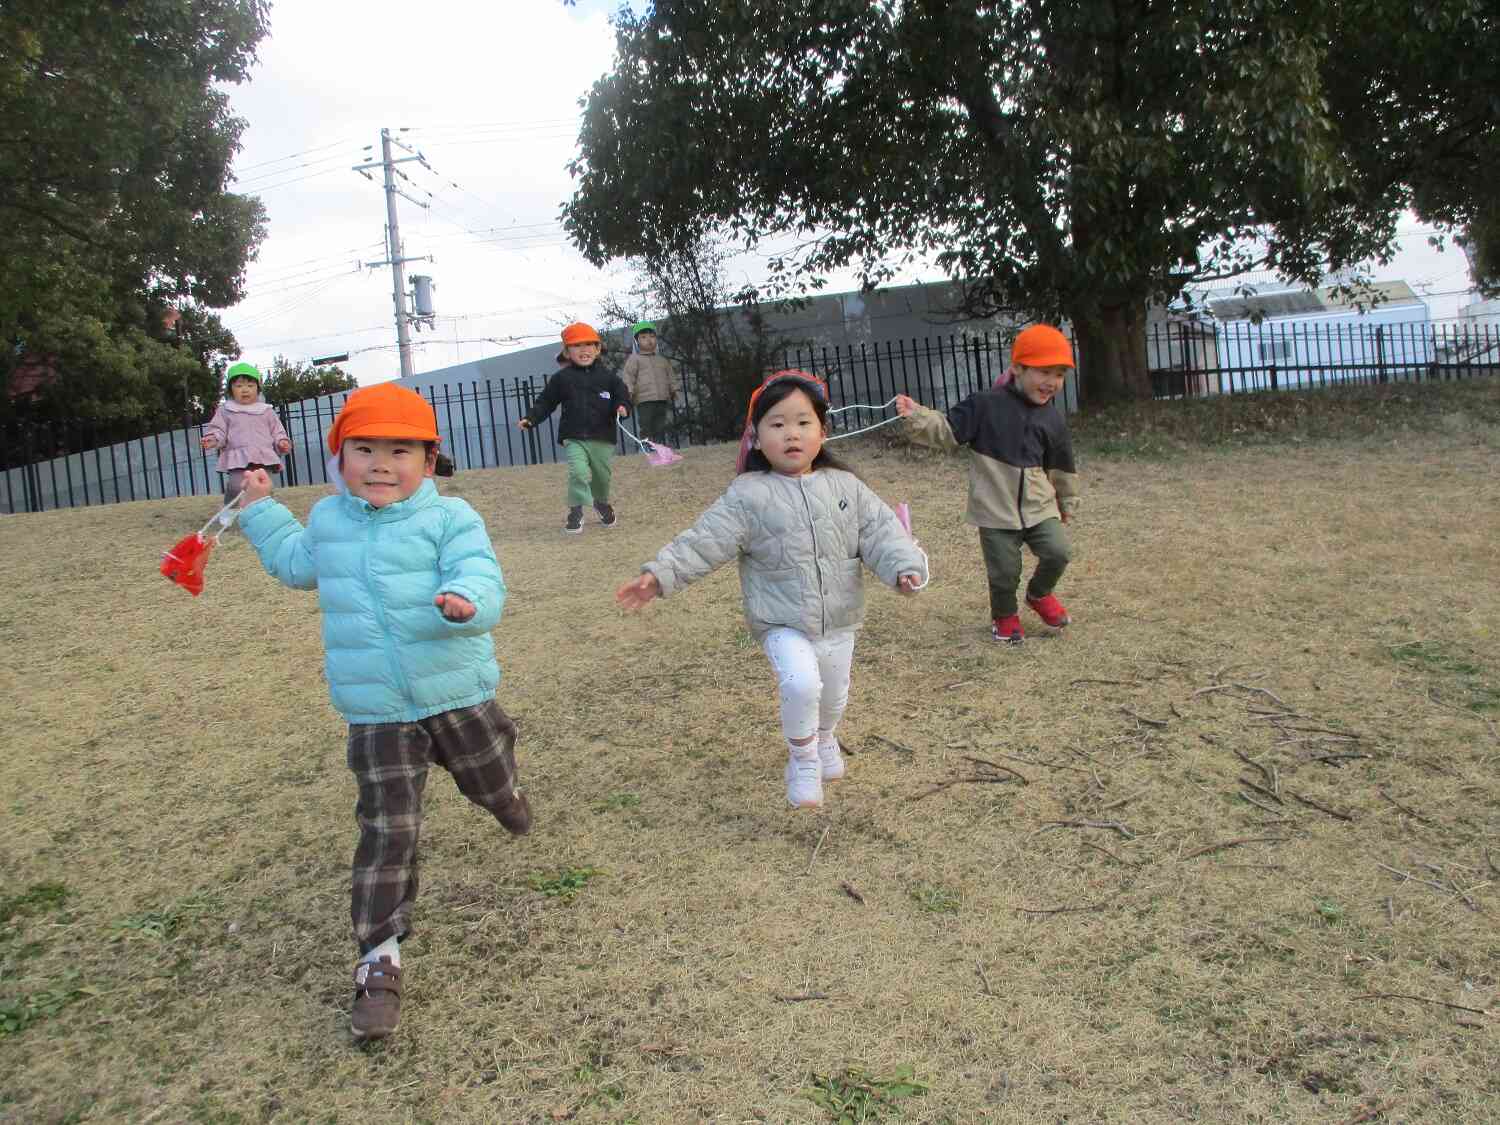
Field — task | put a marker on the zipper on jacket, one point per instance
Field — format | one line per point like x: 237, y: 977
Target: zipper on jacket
x: 812, y: 527
x: 385, y: 632
x: 1021, y: 499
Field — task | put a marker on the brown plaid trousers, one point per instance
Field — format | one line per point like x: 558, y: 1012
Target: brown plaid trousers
x: 390, y: 762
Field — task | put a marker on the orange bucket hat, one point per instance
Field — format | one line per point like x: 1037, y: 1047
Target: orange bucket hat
x: 579, y: 333
x: 386, y: 410
x: 1041, y: 345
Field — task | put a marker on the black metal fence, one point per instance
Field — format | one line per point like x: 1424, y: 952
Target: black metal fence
x: 477, y: 419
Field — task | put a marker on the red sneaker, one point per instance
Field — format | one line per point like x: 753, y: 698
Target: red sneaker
x: 1008, y: 629
x: 1050, y: 610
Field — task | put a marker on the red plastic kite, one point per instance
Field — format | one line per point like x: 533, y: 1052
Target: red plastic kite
x: 184, y: 561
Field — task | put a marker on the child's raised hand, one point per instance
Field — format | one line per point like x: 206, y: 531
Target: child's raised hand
x: 256, y: 486
x: 523, y: 423
x: 635, y: 594
x: 906, y: 405
x: 208, y: 441
x: 454, y: 607
x: 620, y: 411
x: 284, y: 445
x: 908, y: 584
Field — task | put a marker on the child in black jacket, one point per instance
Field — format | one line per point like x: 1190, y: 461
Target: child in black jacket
x: 592, y: 398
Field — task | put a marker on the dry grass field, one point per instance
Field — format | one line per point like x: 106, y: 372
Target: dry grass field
x: 1227, y: 850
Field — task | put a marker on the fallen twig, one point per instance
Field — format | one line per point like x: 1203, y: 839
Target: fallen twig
x: 1117, y: 858
x: 1121, y: 801
x: 1265, y: 772
x: 1117, y: 683
x: 1209, y: 690
x: 1144, y: 719
x: 984, y: 981
x: 996, y: 766
x: 971, y: 779
x: 1490, y: 860
x: 1446, y: 888
x: 798, y: 997
x: 1422, y: 1000
x: 853, y: 892
x: 1263, y: 808
x: 1336, y: 758
x: 1062, y: 909
x: 1321, y: 808
x: 816, y: 849
x: 1261, y: 691
x: 1409, y: 812
x: 907, y: 750
x: 1112, y: 825
x: 1346, y: 735
x: 1043, y: 765
x: 1223, y: 845
x: 1245, y: 781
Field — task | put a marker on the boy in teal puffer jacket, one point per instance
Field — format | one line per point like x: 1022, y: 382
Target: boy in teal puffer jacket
x: 409, y: 589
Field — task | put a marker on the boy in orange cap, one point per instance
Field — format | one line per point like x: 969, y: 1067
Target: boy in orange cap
x: 409, y: 588
x: 592, y: 398
x: 1022, y: 482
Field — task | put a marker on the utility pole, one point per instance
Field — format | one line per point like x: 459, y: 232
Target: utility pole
x: 394, y: 258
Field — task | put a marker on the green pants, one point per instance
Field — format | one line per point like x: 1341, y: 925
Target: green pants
x: 652, y: 417
x: 589, y: 471
x: 1002, y: 562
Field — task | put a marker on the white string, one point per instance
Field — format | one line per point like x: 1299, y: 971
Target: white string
x: 225, y: 516
x: 647, y: 446
x: 866, y: 429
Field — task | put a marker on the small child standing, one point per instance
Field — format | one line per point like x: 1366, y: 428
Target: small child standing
x: 800, y: 524
x: 409, y: 588
x: 653, y: 383
x: 1022, y: 483
x: 245, y: 430
x: 592, y: 398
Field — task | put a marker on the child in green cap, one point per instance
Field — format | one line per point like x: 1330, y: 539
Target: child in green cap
x: 245, y: 430
x: 653, y: 383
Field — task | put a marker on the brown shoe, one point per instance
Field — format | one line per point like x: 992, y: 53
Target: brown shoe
x: 515, y: 816
x: 377, y: 999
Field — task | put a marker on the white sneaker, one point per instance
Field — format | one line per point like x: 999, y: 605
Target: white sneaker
x: 832, y: 759
x: 804, y: 782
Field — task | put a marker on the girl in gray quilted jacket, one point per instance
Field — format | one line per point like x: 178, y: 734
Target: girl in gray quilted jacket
x: 799, y: 524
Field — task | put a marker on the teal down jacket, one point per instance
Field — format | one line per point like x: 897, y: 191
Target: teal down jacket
x: 390, y: 654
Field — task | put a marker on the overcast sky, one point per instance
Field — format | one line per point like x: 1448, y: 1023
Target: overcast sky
x: 489, y: 94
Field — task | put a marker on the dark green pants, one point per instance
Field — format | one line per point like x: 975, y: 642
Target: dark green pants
x: 653, y: 417
x: 1048, y: 541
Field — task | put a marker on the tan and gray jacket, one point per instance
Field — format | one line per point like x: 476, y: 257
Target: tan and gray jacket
x: 1021, y: 468
x: 800, y: 542
x: 651, y: 378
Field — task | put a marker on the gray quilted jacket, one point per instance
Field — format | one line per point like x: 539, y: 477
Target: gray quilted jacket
x: 799, y: 541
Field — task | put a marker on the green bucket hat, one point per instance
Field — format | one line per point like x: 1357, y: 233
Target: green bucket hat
x: 242, y: 371
x: 642, y: 326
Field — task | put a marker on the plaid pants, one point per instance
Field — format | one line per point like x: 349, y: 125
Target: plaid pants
x: 390, y: 761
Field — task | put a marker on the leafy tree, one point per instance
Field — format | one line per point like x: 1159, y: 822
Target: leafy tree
x: 715, y: 333
x: 288, y: 382
x: 115, y: 144
x: 1076, y: 160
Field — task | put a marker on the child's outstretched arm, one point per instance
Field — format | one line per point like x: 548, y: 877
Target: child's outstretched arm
x: 545, y: 403
x: 717, y: 537
x: 925, y: 426
x: 471, y: 589
x: 279, y: 540
x: 1057, y: 461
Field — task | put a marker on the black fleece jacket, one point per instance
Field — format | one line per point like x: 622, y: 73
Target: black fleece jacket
x: 589, y: 397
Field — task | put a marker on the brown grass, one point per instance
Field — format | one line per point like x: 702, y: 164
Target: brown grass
x: 173, y: 763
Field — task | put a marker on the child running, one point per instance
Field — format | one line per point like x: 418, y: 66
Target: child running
x: 592, y: 397
x: 409, y: 588
x: 246, y: 431
x: 800, y: 524
x: 1022, y: 483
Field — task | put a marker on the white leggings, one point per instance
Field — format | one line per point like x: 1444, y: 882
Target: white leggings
x: 813, y: 676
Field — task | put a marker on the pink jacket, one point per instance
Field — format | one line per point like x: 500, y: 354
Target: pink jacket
x: 247, y: 435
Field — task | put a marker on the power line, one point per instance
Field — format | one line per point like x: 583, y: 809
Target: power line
x: 294, y: 155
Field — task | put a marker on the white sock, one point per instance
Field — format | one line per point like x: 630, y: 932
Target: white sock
x: 390, y: 947
x: 806, y: 750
